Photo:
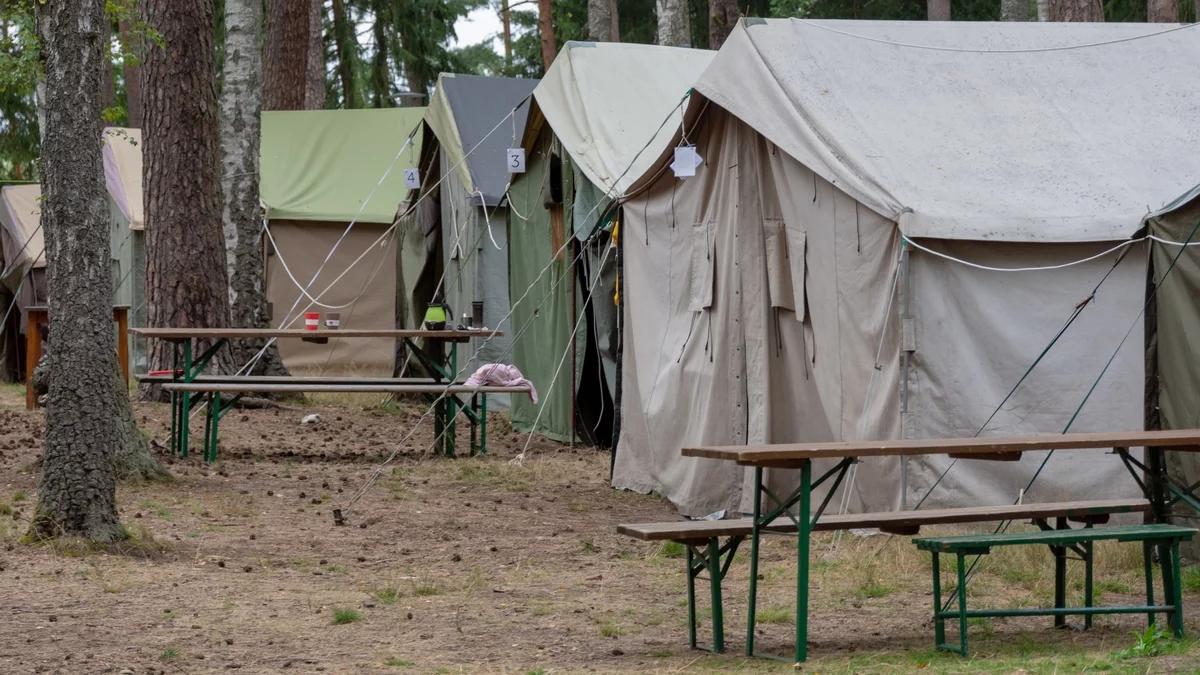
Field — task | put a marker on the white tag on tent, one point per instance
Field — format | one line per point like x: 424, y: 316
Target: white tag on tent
x: 412, y: 178
x: 686, y: 161
x: 516, y: 160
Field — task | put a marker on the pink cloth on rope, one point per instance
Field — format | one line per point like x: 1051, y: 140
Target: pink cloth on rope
x: 501, y: 375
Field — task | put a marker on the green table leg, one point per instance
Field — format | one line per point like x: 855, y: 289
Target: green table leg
x: 1148, y: 564
x: 691, y: 596
x: 185, y: 400
x: 210, y: 451
x: 451, y: 401
x: 473, y: 420
x: 483, y: 424
x: 714, y: 583
x: 174, y: 400
x: 1060, y: 583
x: 1176, y: 590
x: 939, y: 623
x: 1088, y: 589
x: 1168, y: 577
x: 802, y: 549
x: 962, y: 603
x: 754, y: 535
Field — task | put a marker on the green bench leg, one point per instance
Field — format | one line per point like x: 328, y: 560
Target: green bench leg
x: 483, y: 424
x: 802, y: 550
x: 752, y: 601
x: 1176, y: 590
x: 691, y: 596
x: 473, y: 420
x: 962, y: 603
x: 1088, y: 594
x: 185, y: 400
x: 939, y: 623
x: 1148, y: 565
x: 715, y: 561
x: 1060, y: 583
x: 714, y: 584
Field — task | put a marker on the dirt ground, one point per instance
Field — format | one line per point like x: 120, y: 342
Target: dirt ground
x: 465, y: 565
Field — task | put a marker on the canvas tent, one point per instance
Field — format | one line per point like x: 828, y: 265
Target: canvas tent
x: 585, y: 143
x: 809, y: 275
x: 330, y: 181
x: 453, y: 226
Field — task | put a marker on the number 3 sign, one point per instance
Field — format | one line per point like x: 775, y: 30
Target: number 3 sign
x: 516, y: 160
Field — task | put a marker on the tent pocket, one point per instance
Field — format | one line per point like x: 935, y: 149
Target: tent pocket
x: 797, y: 250
x: 703, y: 268
x: 779, y: 272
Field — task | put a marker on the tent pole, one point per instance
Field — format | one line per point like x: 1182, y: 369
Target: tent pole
x: 907, y: 346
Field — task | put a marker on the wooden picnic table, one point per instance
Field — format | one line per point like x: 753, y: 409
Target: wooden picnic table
x: 1154, y: 482
x: 187, y: 366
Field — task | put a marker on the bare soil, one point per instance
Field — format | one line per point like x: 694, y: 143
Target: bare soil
x: 457, y: 565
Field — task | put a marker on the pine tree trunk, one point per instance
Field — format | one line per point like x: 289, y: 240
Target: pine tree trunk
x: 546, y: 31
x: 602, y: 20
x: 346, y: 50
x: 1014, y: 10
x: 133, y: 74
x: 1076, y: 10
x: 937, y: 10
x: 722, y: 17
x: 186, y: 283
x: 286, y: 64
x: 314, y: 72
x: 674, y: 24
x: 381, y: 81
x: 241, y: 104
x: 77, y: 494
x: 108, y: 87
x: 1162, y: 11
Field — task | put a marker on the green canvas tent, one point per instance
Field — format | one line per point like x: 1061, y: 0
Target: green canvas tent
x: 453, y: 227
x: 601, y: 115
x: 330, y: 181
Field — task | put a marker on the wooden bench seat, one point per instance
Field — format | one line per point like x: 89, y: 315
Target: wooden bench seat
x: 706, y: 552
x: 1080, y: 541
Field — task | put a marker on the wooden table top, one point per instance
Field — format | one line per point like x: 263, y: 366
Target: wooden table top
x: 177, y: 334
x: 991, y: 447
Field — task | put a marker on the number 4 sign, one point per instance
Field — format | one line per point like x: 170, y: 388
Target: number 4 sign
x: 516, y: 160
x: 412, y: 179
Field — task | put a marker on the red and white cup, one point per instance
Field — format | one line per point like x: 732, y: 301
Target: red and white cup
x: 312, y: 320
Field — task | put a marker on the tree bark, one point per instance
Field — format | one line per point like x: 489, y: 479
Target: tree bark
x: 241, y: 105
x: 286, y: 65
x: 1076, y: 10
x: 1014, y: 10
x: 546, y: 31
x: 77, y: 494
x: 381, y: 82
x: 314, y: 88
x: 722, y: 17
x: 134, y: 52
x: 346, y: 50
x: 937, y: 10
x: 1162, y: 11
x: 186, y: 282
x: 674, y: 24
x: 602, y: 21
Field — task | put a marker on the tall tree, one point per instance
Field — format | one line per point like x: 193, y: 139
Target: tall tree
x: 603, y: 21
x: 937, y: 10
x: 1014, y: 10
x: 347, y: 54
x: 546, y: 31
x: 286, y: 64
x: 132, y: 48
x: 381, y: 80
x: 77, y: 494
x: 1076, y: 10
x: 674, y: 23
x: 722, y: 17
x: 314, y: 86
x: 186, y: 282
x: 241, y: 103
x: 1162, y: 11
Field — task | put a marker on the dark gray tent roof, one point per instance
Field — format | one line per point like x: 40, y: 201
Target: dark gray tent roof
x: 476, y: 105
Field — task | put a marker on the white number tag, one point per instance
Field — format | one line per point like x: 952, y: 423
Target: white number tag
x: 516, y: 160
x: 412, y: 179
x: 686, y: 161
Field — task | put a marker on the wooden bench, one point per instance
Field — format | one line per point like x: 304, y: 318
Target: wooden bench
x: 706, y: 553
x: 1080, y: 541
x: 214, y: 390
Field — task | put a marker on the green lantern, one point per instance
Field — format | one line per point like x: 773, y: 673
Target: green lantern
x: 436, y: 315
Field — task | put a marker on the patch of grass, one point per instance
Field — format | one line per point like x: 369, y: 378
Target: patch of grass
x: 345, y: 615
x: 157, y: 509
x: 536, y: 671
x: 1149, y: 643
x: 19, y: 496
x: 609, y: 629
x: 774, y: 615
x: 1191, y: 579
x: 513, y: 477
x: 388, y: 596
x: 589, y: 547
x: 169, y: 654
x: 671, y: 549
x: 335, y: 569
x: 425, y: 589
x: 394, y: 662
x: 1112, y: 586
x: 873, y: 589
x: 5, y: 509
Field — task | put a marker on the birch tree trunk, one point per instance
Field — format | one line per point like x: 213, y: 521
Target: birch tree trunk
x: 674, y: 24
x: 186, y: 282
x: 1014, y: 10
x: 722, y: 17
x: 285, y: 67
x: 314, y: 88
x: 937, y: 10
x: 241, y: 105
x: 1162, y: 11
x: 602, y: 21
x: 1076, y: 10
x: 77, y: 494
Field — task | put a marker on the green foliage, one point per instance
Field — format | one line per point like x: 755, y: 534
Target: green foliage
x: 1191, y: 579
x: 394, y: 662
x: 1149, y: 643
x: 345, y: 616
x: 671, y: 549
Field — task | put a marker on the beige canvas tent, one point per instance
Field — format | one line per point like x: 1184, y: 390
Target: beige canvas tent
x: 330, y: 184
x: 882, y: 246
